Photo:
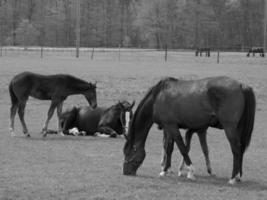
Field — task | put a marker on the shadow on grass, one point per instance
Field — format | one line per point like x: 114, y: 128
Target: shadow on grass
x: 64, y: 138
x: 221, y: 182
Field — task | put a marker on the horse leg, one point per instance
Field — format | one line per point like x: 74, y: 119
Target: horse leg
x: 49, y: 116
x: 188, y: 137
x: 202, y: 136
x: 107, y: 130
x: 21, y: 109
x: 13, y: 111
x: 232, y: 137
x: 59, y: 112
x: 175, y: 133
x: 168, y: 144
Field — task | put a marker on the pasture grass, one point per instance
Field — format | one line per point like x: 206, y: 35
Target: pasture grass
x: 91, y: 168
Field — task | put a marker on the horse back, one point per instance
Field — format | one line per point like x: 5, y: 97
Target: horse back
x: 197, y: 103
x: 89, y: 118
x: 45, y: 87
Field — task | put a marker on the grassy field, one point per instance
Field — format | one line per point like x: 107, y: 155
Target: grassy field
x: 91, y: 168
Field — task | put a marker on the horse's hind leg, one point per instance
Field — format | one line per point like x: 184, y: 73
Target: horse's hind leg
x: 232, y: 136
x: 188, y: 137
x: 168, y: 144
x: 202, y: 135
x: 13, y: 111
x: 21, y: 109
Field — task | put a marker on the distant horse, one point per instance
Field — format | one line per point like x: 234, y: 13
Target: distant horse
x: 254, y: 50
x: 218, y: 102
x: 51, y: 87
x: 168, y: 145
x: 205, y: 50
x: 111, y: 121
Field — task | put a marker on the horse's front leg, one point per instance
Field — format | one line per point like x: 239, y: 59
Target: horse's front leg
x: 168, y: 144
x: 175, y: 133
x: 49, y: 116
x: 107, y: 130
x: 59, y: 112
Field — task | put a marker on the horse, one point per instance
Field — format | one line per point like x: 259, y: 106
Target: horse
x: 219, y: 102
x: 254, y: 50
x: 46, y: 87
x: 168, y: 145
x: 200, y: 50
x: 111, y: 121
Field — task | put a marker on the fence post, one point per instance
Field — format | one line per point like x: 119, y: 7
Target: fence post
x: 166, y: 52
x: 42, y: 49
x: 119, y: 52
x: 218, y: 57
x: 92, y: 55
x: 1, y: 39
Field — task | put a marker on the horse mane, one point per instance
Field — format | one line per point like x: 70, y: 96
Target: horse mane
x: 77, y: 83
x: 154, y: 91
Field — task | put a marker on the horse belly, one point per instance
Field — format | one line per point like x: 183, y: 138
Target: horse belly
x: 191, y: 112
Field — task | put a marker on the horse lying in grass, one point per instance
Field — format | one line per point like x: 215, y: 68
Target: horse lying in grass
x: 111, y: 121
x: 219, y: 102
x: 51, y: 87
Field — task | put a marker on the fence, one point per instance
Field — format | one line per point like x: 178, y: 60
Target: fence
x: 118, y: 54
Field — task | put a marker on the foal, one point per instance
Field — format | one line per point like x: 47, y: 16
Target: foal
x: 51, y: 87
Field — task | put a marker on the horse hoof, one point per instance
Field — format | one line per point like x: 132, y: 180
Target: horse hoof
x: 162, y: 174
x: 61, y: 133
x: 27, y: 135
x: 232, y: 181
x: 180, y: 173
x: 12, y: 133
x: 43, y: 134
x: 191, y: 176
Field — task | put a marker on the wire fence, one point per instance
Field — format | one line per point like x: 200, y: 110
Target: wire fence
x: 124, y: 54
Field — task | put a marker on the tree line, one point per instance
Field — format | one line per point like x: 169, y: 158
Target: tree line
x: 228, y: 24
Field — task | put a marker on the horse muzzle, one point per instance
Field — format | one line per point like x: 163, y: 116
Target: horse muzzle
x: 129, y: 169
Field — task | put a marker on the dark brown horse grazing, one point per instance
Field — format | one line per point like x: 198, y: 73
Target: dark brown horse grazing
x: 111, y: 121
x: 219, y: 102
x: 51, y: 87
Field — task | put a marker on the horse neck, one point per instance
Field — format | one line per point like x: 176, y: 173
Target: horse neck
x: 78, y: 87
x: 141, y: 123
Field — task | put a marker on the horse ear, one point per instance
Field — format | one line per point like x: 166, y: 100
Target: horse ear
x: 93, y: 85
x: 133, y: 103
x: 121, y: 104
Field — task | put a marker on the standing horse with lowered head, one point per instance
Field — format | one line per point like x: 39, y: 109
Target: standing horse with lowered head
x: 50, y: 87
x: 111, y: 121
x: 218, y: 102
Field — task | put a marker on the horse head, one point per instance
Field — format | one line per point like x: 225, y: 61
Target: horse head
x: 134, y: 157
x: 118, y: 117
x: 126, y: 115
x: 90, y: 95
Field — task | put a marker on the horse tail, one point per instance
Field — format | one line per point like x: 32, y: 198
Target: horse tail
x: 13, y: 97
x: 246, y: 123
